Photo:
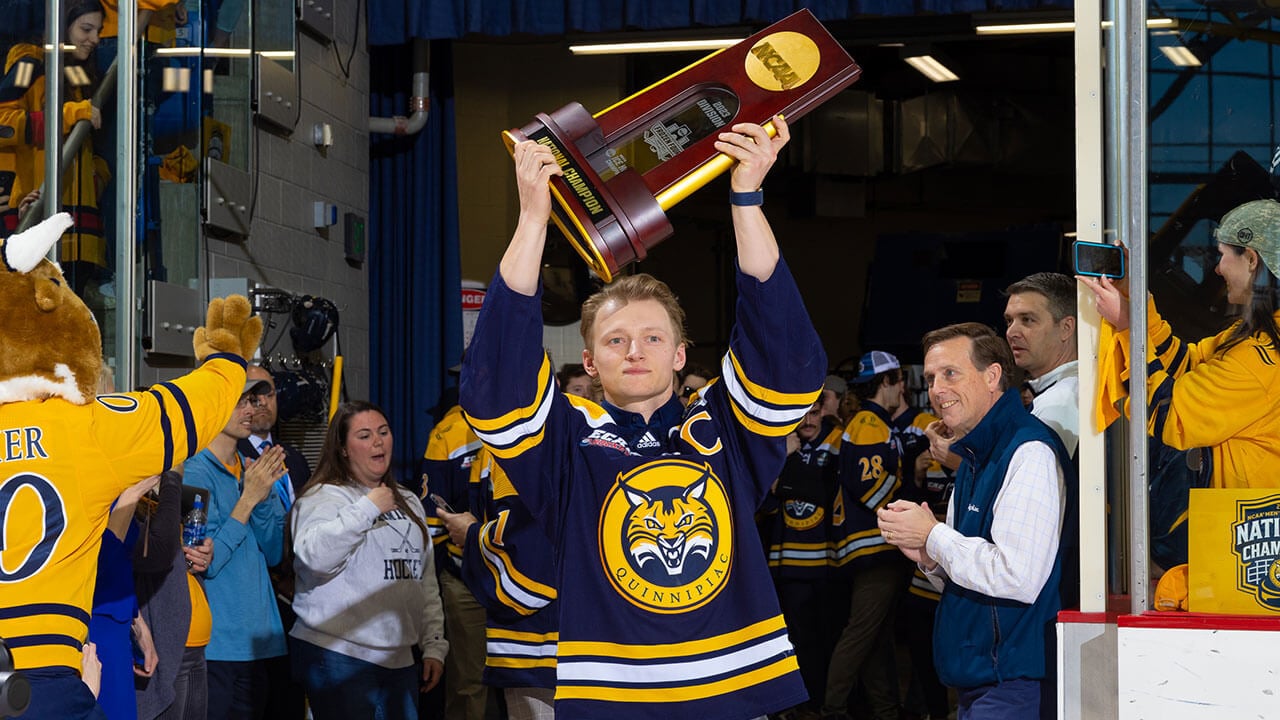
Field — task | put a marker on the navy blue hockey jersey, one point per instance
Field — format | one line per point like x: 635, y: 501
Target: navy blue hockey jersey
x: 667, y: 608
x: 870, y: 468
x: 798, y: 515
x: 508, y: 566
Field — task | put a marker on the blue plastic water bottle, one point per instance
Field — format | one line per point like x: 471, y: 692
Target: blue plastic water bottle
x: 193, y: 525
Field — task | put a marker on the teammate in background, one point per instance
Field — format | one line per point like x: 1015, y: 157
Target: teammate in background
x: 508, y: 565
x: 652, y: 513
x: 870, y: 477
x: 834, y: 388
x: 446, y: 472
x: 575, y: 380
x: 690, y: 379
x: 795, y: 524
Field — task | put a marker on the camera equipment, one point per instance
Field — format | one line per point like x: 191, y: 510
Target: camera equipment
x: 15, y: 691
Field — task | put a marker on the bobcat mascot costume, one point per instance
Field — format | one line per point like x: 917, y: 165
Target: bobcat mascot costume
x: 65, y: 455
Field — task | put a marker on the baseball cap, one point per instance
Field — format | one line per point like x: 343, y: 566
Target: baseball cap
x: 255, y: 387
x: 1172, y: 590
x: 835, y: 384
x: 874, y: 363
x: 1254, y: 225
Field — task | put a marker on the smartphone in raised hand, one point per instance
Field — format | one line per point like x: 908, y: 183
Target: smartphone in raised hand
x: 1098, y: 259
x: 440, y: 503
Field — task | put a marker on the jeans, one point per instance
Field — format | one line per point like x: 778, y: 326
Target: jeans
x: 341, y: 687
x: 237, y: 689
x: 1009, y: 700
x: 190, y: 688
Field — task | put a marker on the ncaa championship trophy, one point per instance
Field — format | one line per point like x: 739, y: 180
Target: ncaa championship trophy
x: 625, y: 166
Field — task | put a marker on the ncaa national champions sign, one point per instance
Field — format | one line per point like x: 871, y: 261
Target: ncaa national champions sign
x: 1234, y: 562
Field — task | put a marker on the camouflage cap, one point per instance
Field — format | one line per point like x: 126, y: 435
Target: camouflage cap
x: 1254, y: 225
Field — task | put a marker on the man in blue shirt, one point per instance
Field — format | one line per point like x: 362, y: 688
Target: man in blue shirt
x: 246, y: 524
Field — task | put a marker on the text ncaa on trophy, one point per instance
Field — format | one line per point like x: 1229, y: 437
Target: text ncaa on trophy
x: 628, y: 164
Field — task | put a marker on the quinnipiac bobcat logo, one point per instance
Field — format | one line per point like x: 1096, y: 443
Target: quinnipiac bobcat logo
x: 1256, y: 535
x: 666, y: 535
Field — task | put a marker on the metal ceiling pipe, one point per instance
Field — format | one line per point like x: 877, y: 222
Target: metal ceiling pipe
x: 418, y: 102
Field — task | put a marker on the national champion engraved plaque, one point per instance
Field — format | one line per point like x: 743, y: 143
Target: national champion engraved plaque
x: 628, y: 164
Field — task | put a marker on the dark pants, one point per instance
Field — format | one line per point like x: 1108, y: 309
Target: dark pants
x: 287, y: 700
x: 918, y: 616
x: 1009, y: 700
x: 238, y: 690
x: 190, y: 688
x: 805, y: 609
x: 58, y: 693
x: 868, y: 630
x: 342, y: 687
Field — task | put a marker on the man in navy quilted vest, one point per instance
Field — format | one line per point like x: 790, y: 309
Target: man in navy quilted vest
x: 998, y: 558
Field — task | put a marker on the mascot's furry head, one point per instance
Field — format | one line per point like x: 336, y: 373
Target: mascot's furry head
x: 49, y: 341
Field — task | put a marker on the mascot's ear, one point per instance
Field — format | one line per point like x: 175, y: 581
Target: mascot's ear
x: 229, y: 328
x: 23, y: 251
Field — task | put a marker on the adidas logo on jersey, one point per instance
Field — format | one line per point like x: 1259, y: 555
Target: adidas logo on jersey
x: 647, y: 441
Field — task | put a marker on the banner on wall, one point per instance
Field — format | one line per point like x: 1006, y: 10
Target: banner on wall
x: 472, y: 298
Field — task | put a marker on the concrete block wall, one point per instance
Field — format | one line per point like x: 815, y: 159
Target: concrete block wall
x: 283, y: 249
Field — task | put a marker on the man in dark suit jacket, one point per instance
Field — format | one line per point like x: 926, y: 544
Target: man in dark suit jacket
x: 264, y: 419
x: 286, y: 700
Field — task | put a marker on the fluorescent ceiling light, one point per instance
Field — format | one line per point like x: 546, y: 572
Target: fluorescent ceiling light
x: 1056, y: 27
x: 222, y: 52
x: 1180, y: 55
x: 622, y: 48
x: 928, y: 66
x: 1025, y: 28
x: 207, y: 52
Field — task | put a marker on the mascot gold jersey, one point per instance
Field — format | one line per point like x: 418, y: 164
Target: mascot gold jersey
x: 65, y: 455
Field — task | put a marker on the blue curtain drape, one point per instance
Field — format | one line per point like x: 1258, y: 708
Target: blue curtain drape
x: 392, y: 22
x: 415, y: 322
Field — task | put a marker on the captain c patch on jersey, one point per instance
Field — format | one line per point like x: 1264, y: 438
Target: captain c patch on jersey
x: 666, y: 535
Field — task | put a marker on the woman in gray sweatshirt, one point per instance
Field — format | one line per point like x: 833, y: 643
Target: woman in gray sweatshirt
x: 366, y: 584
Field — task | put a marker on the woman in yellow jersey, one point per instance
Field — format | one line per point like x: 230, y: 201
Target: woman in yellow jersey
x: 1222, y: 392
x: 83, y: 250
x: 171, y: 599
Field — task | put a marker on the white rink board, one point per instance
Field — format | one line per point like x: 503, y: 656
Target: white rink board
x: 1209, y: 674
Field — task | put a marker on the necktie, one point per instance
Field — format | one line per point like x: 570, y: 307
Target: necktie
x: 283, y: 487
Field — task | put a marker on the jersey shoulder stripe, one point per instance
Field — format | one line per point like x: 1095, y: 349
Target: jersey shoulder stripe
x: 512, y: 433
x: 763, y: 411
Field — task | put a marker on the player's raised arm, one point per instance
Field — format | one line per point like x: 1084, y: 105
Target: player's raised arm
x: 521, y: 265
x: 755, y: 152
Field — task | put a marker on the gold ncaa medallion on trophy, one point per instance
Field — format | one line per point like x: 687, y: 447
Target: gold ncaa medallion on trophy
x: 626, y: 165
